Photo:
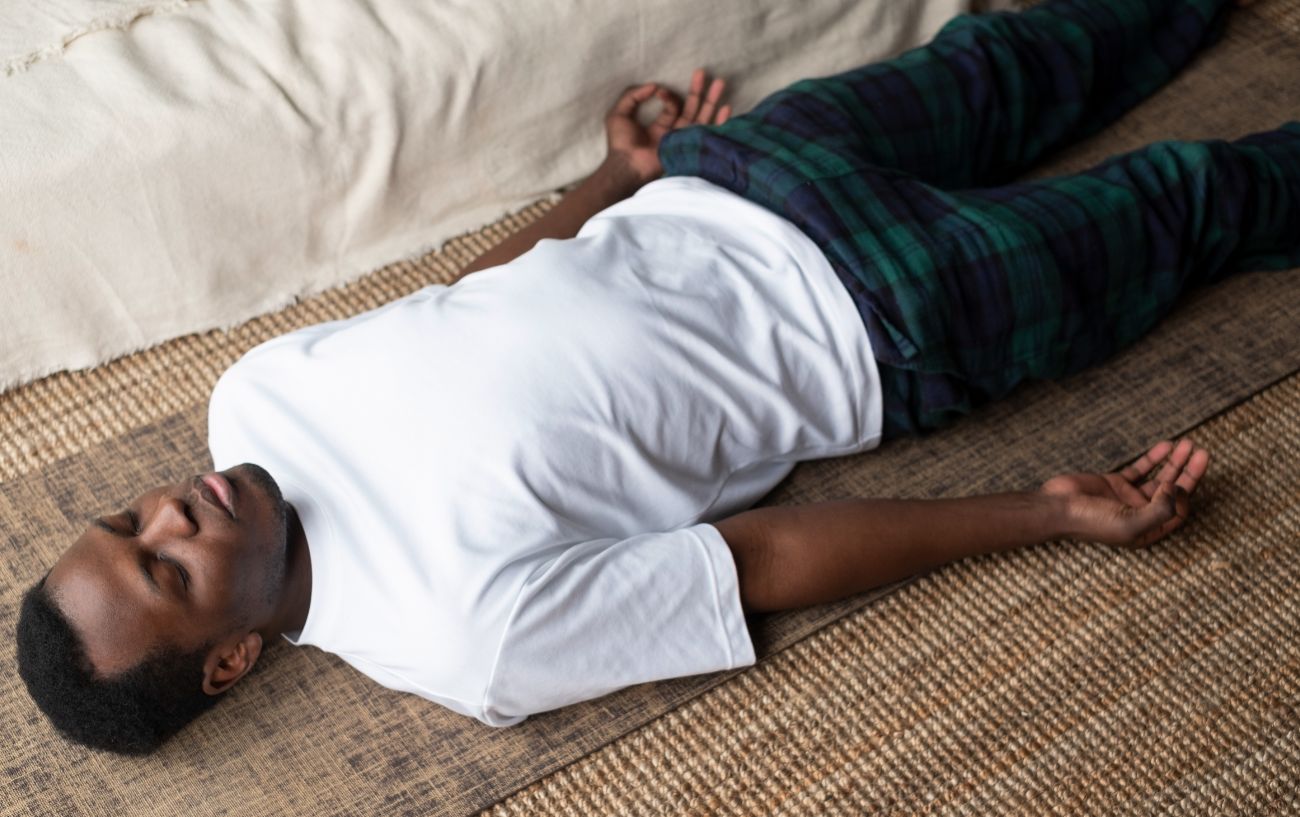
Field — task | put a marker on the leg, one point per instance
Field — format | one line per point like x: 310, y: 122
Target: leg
x: 988, y: 97
x: 1040, y: 280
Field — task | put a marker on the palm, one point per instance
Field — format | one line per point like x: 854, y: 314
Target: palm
x: 1121, y: 508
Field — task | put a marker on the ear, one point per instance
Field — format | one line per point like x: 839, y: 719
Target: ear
x: 229, y: 662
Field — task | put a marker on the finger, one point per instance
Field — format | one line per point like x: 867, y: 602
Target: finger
x: 632, y: 97
x: 1176, y: 461
x: 724, y: 113
x: 1188, y: 477
x: 1197, y: 465
x: 1147, y: 461
x: 1172, y: 468
x: 711, y: 101
x: 671, y: 110
x: 1182, y: 508
x: 692, y: 105
x: 1159, y: 516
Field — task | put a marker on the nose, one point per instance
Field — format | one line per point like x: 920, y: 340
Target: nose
x: 172, y: 519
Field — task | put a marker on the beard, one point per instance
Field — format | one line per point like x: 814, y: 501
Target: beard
x: 278, y: 548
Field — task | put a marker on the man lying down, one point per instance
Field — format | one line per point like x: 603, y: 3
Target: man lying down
x: 529, y: 488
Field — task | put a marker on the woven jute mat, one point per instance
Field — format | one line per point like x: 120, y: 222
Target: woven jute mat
x: 1059, y: 679
x: 307, y: 735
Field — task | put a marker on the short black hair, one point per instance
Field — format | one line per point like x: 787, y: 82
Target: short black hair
x: 131, y: 713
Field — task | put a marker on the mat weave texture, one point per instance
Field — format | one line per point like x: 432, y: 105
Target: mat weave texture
x: 308, y: 735
x: 1059, y: 679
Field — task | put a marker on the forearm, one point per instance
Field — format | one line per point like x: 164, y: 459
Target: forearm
x: 631, y: 161
x: 795, y: 556
x: 607, y: 186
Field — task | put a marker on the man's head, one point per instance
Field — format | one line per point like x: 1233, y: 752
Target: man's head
x: 157, y: 608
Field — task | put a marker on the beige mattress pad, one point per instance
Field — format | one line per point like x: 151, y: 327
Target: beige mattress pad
x: 172, y: 166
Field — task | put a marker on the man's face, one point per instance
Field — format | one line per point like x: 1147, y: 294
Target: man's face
x: 181, y: 566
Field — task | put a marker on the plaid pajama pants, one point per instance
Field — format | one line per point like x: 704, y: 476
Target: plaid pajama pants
x: 967, y: 284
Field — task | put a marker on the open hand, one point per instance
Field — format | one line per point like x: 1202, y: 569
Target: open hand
x: 1120, y: 508
x: 634, y: 148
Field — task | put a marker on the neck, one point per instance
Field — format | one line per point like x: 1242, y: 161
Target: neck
x: 296, y: 600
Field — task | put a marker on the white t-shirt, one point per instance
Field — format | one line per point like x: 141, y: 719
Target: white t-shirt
x: 507, y: 484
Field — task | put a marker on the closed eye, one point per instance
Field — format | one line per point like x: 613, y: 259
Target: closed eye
x: 181, y: 572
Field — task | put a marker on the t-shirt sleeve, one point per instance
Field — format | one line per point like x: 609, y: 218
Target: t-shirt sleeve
x: 611, y: 613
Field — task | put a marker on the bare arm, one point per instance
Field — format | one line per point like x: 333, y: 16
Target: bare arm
x: 600, y: 190
x: 632, y: 160
x: 795, y: 556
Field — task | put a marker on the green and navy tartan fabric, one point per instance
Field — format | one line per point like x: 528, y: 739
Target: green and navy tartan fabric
x: 968, y: 284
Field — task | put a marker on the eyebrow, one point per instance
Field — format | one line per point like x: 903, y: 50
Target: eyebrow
x: 101, y: 522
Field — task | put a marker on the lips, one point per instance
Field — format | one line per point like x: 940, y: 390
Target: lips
x: 222, y: 494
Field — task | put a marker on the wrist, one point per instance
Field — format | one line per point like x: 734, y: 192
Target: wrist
x: 620, y: 177
x: 1056, y: 513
